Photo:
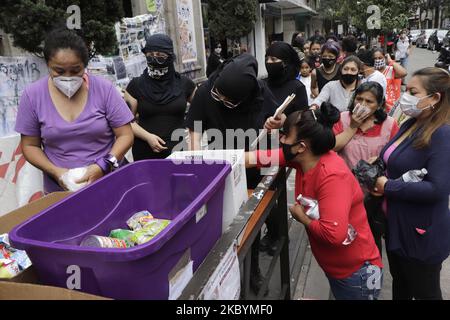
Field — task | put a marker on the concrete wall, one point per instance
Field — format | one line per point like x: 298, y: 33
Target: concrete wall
x: 289, y: 28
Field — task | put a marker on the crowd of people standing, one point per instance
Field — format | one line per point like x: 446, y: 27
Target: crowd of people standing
x: 340, y: 116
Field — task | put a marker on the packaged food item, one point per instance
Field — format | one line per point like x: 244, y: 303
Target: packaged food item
x: 138, y: 220
x: 9, y: 253
x: 311, y: 206
x: 103, y: 242
x: 124, y: 235
x: 8, y: 269
x: 149, y: 231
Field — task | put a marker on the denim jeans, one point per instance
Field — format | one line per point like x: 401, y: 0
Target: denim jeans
x: 364, y: 284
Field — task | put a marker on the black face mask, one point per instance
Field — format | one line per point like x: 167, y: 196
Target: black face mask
x: 288, y: 155
x: 328, y: 63
x: 349, y: 78
x: 275, y: 70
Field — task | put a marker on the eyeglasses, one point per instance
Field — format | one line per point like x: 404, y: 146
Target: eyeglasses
x: 159, y: 57
x: 216, y: 96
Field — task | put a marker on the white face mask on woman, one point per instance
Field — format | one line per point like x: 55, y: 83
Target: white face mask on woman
x: 408, y: 104
x: 68, y: 85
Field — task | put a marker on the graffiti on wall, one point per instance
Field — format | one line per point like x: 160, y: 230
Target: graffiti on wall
x: 186, y: 31
x: 15, y: 74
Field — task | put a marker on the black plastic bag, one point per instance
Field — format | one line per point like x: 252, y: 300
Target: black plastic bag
x: 367, y: 174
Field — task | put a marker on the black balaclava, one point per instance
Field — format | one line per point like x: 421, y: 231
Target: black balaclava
x: 281, y: 72
x: 237, y: 80
x: 164, y: 85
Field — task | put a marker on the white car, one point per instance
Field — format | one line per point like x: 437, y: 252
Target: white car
x: 414, y: 34
x: 422, y: 40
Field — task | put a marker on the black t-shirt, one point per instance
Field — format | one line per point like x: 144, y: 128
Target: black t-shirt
x: 162, y: 120
x: 323, y: 78
x: 275, y: 96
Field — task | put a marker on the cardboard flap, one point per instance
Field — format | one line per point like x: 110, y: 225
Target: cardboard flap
x: 26, y: 291
x: 12, y: 219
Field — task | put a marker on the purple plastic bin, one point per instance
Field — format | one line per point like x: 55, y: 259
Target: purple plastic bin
x: 168, y: 190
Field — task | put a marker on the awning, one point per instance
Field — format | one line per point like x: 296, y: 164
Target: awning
x: 291, y: 7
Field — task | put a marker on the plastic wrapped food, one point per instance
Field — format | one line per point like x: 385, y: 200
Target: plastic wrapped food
x: 124, y: 235
x: 12, y: 261
x: 311, y: 205
x: 72, y: 175
x: 149, y: 231
x: 140, y: 219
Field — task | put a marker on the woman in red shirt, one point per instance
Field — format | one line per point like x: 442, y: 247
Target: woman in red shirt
x: 340, y: 238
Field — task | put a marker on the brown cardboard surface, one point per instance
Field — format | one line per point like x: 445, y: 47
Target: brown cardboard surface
x: 12, y: 219
x: 24, y: 286
x: 26, y: 291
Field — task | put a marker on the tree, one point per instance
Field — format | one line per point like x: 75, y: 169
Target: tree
x: 231, y: 18
x: 393, y: 14
x: 30, y: 21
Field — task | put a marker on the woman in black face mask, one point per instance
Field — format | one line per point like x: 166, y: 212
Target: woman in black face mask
x: 283, y: 67
x: 159, y: 98
x: 339, y: 92
x: 329, y: 70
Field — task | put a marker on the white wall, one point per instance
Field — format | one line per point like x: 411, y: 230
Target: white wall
x: 289, y: 28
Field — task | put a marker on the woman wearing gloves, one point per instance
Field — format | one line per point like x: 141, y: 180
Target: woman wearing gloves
x: 418, y: 212
x: 71, y: 119
x: 350, y: 260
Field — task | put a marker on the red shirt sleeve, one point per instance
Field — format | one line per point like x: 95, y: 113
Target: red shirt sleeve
x: 338, y: 128
x: 335, y: 198
x: 269, y: 158
x: 394, y: 129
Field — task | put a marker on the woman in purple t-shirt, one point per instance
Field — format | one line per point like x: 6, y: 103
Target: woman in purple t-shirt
x: 70, y: 119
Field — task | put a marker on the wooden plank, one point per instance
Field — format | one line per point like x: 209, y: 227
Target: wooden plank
x: 255, y: 217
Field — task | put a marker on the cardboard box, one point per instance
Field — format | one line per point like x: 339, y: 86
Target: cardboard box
x: 235, y: 194
x: 25, y: 286
x: 27, y: 291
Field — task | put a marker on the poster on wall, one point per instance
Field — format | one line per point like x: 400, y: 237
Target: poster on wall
x: 15, y: 74
x: 186, y: 31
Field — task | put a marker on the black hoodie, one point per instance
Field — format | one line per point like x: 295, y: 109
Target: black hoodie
x: 237, y: 80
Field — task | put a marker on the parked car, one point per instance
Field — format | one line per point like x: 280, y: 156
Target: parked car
x: 413, y: 35
x: 446, y: 41
x: 422, y: 40
x: 436, y: 39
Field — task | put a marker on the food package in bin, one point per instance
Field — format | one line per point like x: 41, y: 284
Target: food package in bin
x: 124, y: 235
x: 139, y: 220
x: 367, y: 173
x: 311, y: 206
x: 12, y: 261
x: 149, y: 231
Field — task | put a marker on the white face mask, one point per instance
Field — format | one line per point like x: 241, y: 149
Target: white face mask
x: 408, y: 104
x: 68, y: 85
x: 361, y: 110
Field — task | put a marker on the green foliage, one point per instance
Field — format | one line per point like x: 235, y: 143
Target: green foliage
x: 231, y: 18
x: 394, y: 14
x: 30, y: 21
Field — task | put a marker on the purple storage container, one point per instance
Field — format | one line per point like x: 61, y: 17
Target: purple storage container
x: 168, y: 190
